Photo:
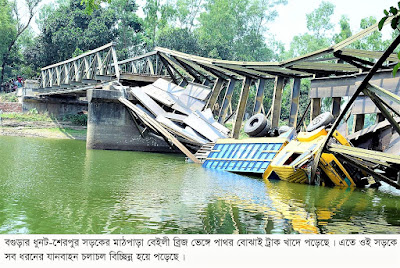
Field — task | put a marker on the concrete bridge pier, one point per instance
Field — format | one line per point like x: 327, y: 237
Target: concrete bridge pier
x: 110, y: 126
x: 55, y: 106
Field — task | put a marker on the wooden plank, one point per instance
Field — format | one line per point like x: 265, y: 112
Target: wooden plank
x: 192, y: 136
x: 336, y: 101
x: 160, y: 95
x: 159, y: 128
x: 365, y: 154
x: 323, y: 66
x: 145, y: 110
x: 203, y: 127
x: 169, y: 87
x: 259, y: 96
x: 277, y: 101
x: 315, y: 108
x: 197, y: 91
x: 148, y: 102
x: 166, y: 98
x: 368, y: 54
x: 244, y: 95
x: 294, y: 104
x: 208, y: 117
x: 175, y: 117
x: 191, y: 103
x: 227, y: 100
x: 180, y: 107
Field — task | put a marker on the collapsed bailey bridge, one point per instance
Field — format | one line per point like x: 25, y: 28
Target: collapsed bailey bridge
x: 168, y: 99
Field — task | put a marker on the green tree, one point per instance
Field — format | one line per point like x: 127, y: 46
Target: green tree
x: 235, y: 29
x: 7, y: 31
x: 129, y: 31
x: 187, y: 12
x: 68, y: 28
x: 395, y: 23
x: 373, y: 41
x: 13, y: 30
x: 345, y: 31
x: 157, y: 17
x: 179, y: 39
x: 318, y: 36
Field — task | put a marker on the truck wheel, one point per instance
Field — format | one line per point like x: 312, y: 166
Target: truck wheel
x: 319, y: 121
x: 255, y: 125
x: 264, y: 132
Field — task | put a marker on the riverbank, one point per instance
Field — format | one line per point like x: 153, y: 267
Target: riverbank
x: 44, y: 126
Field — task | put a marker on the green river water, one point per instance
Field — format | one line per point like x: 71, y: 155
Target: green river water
x: 50, y: 186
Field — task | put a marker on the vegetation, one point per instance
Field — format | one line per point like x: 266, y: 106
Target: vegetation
x: 242, y: 134
x: 76, y: 119
x: 395, y: 23
x: 11, y: 32
x: 8, y: 97
x: 32, y: 115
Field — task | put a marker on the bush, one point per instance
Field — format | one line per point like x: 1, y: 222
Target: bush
x: 76, y: 119
x: 8, y: 97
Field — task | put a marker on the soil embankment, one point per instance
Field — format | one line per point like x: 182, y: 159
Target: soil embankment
x: 32, y: 126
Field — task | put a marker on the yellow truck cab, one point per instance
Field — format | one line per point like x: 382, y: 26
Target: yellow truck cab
x: 293, y: 163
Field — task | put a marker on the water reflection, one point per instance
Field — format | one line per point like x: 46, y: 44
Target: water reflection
x: 57, y: 186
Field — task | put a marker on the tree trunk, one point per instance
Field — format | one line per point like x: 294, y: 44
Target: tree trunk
x: 3, y: 66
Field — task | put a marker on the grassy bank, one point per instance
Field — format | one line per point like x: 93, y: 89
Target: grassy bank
x: 33, y: 124
x: 8, y: 97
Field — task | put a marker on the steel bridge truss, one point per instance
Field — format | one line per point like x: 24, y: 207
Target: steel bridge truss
x: 97, y: 64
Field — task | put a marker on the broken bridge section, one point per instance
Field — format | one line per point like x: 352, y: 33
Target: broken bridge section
x: 171, y: 99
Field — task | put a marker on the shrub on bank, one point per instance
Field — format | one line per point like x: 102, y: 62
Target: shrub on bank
x: 76, y: 119
x: 29, y: 116
x: 8, y: 97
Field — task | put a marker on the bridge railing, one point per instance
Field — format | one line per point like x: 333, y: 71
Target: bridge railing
x: 148, y: 63
x: 97, y: 64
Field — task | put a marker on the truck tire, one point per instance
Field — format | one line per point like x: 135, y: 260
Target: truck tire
x: 264, y: 132
x: 319, y: 121
x: 255, y: 125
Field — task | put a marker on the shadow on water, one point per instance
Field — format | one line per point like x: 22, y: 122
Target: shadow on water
x: 57, y: 186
